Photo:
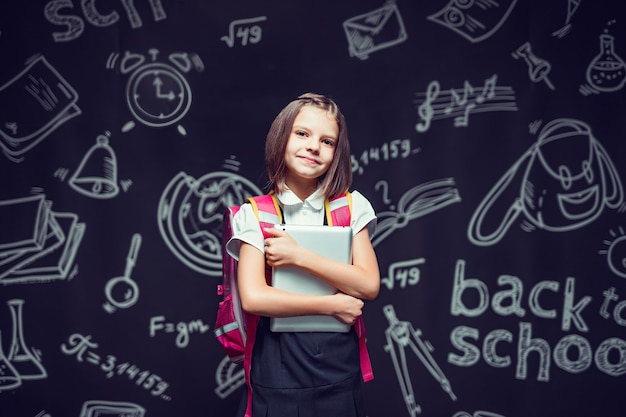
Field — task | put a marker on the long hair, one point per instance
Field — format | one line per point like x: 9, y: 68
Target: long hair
x: 338, y: 178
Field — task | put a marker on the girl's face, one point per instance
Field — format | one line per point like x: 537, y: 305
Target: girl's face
x: 311, y: 145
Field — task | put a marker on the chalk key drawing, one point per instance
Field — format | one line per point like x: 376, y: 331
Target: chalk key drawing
x: 460, y: 103
x: 37, y: 244
x: 567, y: 179
x: 375, y: 30
x: 606, y: 72
x: 76, y: 25
x: 84, y: 349
x: 401, y: 335
x: 190, y: 216
x: 475, y: 20
x: 247, y: 31
x: 616, y: 252
x: 538, y: 69
x: 99, y: 408
x: 34, y: 104
x: 96, y: 176
x: 416, y: 202
x: 572, y: 6
x: 157, y: 93
x: 229, y: 376
x: 123, y: 291
x: 21, y: 363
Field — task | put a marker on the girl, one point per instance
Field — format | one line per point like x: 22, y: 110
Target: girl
x: 307, y: 158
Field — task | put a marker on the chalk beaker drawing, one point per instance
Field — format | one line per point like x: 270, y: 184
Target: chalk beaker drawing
x: 607, y: 71
x: 9, y: 378
x: 27, y: 364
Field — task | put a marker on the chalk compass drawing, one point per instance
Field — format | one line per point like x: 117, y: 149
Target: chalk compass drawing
x: 616, y: 252
x: 157, y: 93
x: 416, y: 202
x: 475, y: 20
x: 572, y: 7
x: 229, y: 377
x: 562, y: 183
x: 401, y: 335
x: 190, y: 215
x: 538, y: 69
x: 34, y: 104
x: 460, y: 103
x: 123, y: 291
x: 375, y: 30
x: 21, y: 363
x: 37, y: 243
x: 98, y: 408
x: 247, y: 31
x: 606, y: 72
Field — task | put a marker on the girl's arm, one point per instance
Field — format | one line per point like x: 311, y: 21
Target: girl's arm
x: 257, y: 297
x: 361, y: 279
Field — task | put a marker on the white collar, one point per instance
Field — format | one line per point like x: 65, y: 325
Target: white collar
x: 289, y: 198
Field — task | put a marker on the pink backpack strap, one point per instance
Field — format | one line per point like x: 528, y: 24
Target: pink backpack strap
x: 339, y: 210
x: 266, y: 210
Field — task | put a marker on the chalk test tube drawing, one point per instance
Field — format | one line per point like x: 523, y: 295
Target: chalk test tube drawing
x: 36, y: 243
x: 606, y: 72
x: 190, y: 216
x: 538, y: 69
x: 401, y: 335
x: 562, y: 183
x: 572, y: 6
x: 123, y: 291
x: 372, y: 31
x: 100, y: 408
x: 229, y: 377
x: 416, y: 202
x: 247, y: 31
x: 96, y: 176
x: 616, y: 252
x: 34, y: 103
x: 157, y: 93
x: 21, y: 363
x: 475, y: 20
x: 460, y: 103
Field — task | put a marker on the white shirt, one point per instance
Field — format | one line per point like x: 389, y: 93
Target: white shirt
x: 295, y: 211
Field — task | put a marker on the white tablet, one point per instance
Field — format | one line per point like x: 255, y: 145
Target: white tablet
x: 334, y: 242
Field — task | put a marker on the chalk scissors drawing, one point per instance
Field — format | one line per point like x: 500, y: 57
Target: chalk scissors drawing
x: 460, y: 103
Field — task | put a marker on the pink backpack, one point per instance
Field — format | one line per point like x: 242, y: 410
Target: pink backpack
x: 234, y: 328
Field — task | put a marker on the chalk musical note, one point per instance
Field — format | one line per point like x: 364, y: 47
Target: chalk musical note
x: 425, y: 110
x: 457, y: 100
x: 489, y: 89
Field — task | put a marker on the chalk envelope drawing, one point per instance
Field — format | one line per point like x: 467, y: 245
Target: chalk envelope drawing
x: 475, y: 20
x: 375, y: 30
x: 34, y: 103
x: 562, y: 183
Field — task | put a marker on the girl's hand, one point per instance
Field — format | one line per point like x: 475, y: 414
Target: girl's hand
x: 280, y: 249
x: 348, y: 308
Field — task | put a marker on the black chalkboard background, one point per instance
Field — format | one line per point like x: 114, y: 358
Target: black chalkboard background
x: 488, y: 135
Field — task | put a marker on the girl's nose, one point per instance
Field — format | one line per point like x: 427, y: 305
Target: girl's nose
x: 313, y: 144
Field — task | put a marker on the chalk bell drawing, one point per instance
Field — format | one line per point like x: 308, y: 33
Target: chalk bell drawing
x: 562, y: 183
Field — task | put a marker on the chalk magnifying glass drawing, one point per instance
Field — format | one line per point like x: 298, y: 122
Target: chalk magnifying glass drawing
x: 122, y: 291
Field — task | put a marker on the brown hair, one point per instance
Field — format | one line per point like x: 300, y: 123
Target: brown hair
x: 338, y: 178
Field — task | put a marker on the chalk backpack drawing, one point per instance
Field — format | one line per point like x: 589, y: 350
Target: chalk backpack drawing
x: 235, y: 329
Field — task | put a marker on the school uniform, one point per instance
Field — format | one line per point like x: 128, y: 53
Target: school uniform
x: 304, y: 374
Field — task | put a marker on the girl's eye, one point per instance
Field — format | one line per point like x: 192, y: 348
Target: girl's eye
x: 328, y: 142
x: 300, y: 133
